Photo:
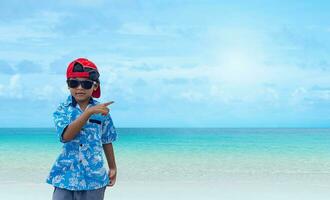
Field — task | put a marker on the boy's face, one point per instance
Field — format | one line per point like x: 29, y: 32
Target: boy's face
x: 80, y: 93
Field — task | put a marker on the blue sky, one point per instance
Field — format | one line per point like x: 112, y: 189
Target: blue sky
x: 171, y: 63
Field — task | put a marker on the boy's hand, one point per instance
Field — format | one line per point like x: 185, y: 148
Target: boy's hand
x: 100, y: 108
x: 112, y: 176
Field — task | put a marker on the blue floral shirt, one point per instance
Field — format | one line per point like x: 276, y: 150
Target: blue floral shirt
x: 80, y: 164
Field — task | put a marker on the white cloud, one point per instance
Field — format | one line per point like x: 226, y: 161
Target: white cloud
x: 133, y: 28
x: 138, y: 29
x: 33, y: 87
x: 43, y: 92
x: 15, y: 88
x: 38, y: 28
x: 193, y: 96
x: 323, y: 95
x: 227, y: 81
x: 2, y: 90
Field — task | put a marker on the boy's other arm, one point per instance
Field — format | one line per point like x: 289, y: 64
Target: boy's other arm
x: 109, y: 154
x: 73, y: 129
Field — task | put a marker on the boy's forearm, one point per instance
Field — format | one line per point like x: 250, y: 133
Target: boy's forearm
x: 73, y: 129
x: 109, y: 154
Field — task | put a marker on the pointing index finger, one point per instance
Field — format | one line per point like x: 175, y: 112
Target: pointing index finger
x: 108, y: 103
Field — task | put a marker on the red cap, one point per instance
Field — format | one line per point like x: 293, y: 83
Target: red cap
x: 70, y: 73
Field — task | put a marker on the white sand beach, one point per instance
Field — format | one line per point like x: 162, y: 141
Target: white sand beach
x: 230, y: 190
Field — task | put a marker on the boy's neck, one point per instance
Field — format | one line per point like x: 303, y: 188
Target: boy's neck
x: 83, y: 104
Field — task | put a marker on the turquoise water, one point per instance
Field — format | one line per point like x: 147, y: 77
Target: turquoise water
x: 178, y: 153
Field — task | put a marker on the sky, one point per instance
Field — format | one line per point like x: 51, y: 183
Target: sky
x: 170, y: 63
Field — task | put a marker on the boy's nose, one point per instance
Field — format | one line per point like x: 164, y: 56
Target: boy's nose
x: 79, y: 86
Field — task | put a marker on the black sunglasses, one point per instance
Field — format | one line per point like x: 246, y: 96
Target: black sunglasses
x: 74, y: 83
x: 93, y: 74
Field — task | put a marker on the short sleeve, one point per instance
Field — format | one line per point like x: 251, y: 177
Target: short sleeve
x: 61, y: 120
x: 109, y: 133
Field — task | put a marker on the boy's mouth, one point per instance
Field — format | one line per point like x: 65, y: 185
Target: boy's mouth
x: 80, y: 93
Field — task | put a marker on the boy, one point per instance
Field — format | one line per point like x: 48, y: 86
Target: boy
x: 85, y: 127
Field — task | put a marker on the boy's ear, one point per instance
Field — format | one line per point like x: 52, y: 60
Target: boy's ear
x: 95, y: 86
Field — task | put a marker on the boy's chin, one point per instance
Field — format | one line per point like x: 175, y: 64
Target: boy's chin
x: 81, y: 97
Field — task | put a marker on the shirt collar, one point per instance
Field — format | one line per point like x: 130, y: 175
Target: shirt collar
x: 72, y: 101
